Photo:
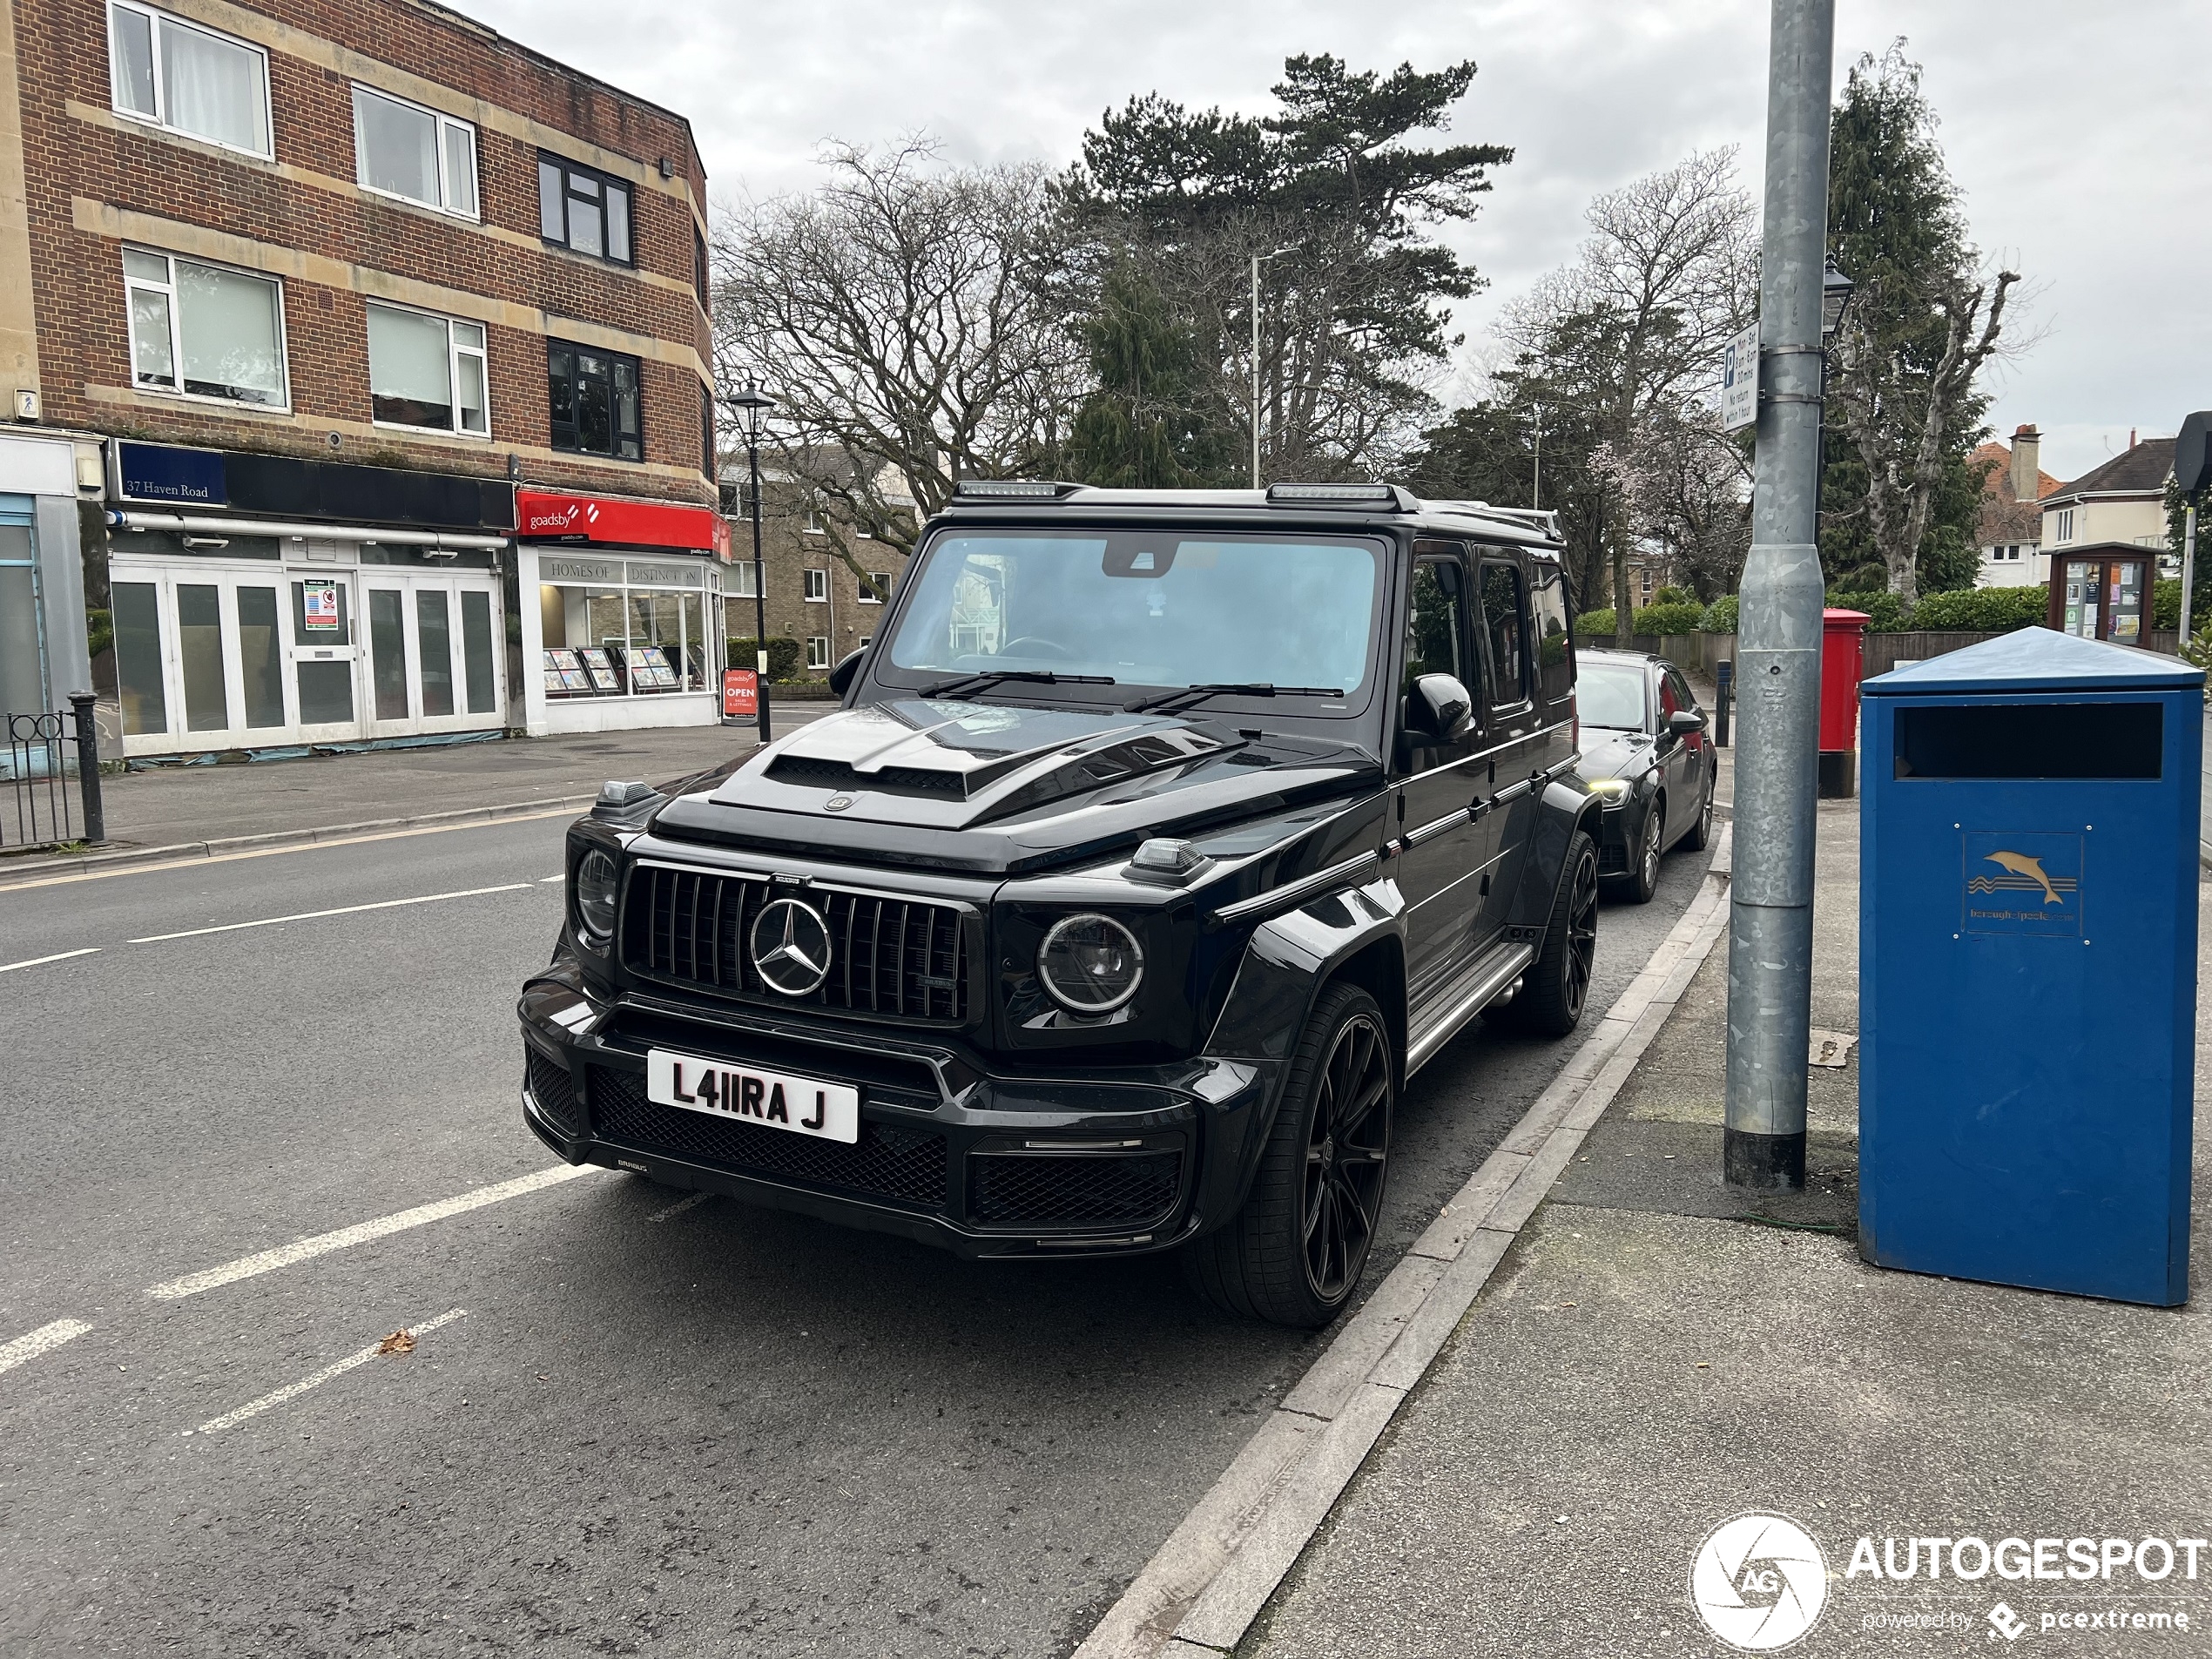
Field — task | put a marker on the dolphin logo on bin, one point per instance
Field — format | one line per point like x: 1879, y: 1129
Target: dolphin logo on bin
x: 2021, y: 865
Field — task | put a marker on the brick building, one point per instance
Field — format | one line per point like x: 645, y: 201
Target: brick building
x: 814, y: 598
x: 390, y: 333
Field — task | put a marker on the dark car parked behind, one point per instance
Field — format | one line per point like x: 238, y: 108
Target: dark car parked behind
x: 1646, y: 755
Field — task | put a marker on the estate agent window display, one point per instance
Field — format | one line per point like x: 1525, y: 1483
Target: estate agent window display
x: 637, y: 629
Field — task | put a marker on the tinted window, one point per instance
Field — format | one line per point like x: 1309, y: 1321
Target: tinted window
x: 1554, y: 660
x: 1504, y: 629
x: 592, y: 402
x: 1436, y: 622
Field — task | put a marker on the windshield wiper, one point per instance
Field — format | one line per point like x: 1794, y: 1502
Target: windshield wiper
x: 1033, y: 675
x: 1194, y: 694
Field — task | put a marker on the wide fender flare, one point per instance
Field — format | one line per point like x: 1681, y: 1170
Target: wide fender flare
x: 1285, y: 963
x: 1565, y: 807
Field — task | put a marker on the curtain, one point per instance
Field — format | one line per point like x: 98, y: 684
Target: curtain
x: 213, y: 89
x: 409, y: 379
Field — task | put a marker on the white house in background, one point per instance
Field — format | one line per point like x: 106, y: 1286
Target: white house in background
x: 2122, y: 501
x: 2010, y: 529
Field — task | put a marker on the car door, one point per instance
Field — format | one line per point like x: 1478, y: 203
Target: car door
x: 1440, y: 836
x: 1518, y: 737
x: 1684, y: 756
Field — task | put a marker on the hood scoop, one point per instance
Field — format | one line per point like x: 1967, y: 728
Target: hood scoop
x: 814, y: 771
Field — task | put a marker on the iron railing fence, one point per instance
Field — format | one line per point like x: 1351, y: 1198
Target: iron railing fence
x: 51, y: 774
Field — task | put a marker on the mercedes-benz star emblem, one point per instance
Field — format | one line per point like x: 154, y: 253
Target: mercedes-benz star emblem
x: 791, y: 947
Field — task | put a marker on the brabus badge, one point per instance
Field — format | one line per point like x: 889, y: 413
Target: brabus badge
x: 837, y: 803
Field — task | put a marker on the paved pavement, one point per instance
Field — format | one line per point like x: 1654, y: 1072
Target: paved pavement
x: 647, y: 1421
x: 172, y: 804
x: 1657, y: 1355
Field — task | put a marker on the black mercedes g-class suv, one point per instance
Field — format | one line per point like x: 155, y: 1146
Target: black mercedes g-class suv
x: 1161, y: 837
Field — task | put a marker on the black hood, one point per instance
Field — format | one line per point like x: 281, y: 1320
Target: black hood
x: 1002, y: 787
x: 1607, y: 753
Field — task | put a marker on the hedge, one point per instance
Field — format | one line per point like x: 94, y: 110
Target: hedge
x: 1674, y: 618
x: 785, y: 657
x: 1594, y: 625
x: 1993, y: 610
x: 1720, y: 616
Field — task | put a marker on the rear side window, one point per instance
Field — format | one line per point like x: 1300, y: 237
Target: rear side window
x: 1554, y: 656
x: 1504, y: 634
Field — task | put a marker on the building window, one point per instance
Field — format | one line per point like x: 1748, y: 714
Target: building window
x: 624, y: 629
x: 706, y: 430
x: 740, y: 576
x: 427, y: 372
x: 878, y: 584
x: 404, y: 150
x: 582, y: 210
x: 188, y: 80
x: 205, y: 331
x: 817, y: 651
x: 1646, y: 576
x: 594, y: 401
x: 817, y: 587
x: 2065, y: 524
x: 698, y: 267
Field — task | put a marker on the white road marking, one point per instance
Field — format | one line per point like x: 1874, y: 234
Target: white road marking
x: 44, y: 1339
x: 323, y: 1243
x: 291, y: 1391
x: 58, y: 956
x: 343, y: 910
x: 680, y: 1206
x: 552, y: 878
x: 202, y: 862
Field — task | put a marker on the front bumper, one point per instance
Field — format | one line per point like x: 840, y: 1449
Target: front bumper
x: 1618, y: 824
x: 972, y: 1157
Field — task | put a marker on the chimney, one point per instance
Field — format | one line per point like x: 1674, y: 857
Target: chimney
x: 2028, y: 469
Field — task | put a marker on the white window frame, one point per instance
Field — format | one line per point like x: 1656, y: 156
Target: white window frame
x: 455, y: 352
x: 818, y: 587
x: 445, y: 183
x: 2064, y: 527
x: 168, y: 291
x: 743, y: 570
x: 867, y: 593
x: 817, y: 651
x: 158, y: 21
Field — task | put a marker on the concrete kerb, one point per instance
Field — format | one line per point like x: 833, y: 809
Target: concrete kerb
x: 1203, y: 1588
x: 12, y: 872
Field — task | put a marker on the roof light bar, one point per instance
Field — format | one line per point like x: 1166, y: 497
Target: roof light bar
x: 1387, y: 496
x: 1013, y: 488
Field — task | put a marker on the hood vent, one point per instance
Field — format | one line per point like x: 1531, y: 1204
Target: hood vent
x: 891, y: 780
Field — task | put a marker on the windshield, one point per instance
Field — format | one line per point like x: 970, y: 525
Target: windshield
x: 1147, y: 608
x: 1609, y: 694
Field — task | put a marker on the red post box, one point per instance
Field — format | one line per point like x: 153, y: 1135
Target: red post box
x: 1842, y: 664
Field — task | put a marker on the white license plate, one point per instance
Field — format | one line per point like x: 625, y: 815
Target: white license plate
x: 767, y: 1099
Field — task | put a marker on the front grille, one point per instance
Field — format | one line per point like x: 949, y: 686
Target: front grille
x: 905, y: 1166
x: 1078, y: 1190
x: 906, y: 958
x: 554, y: 1089
x: 893, y: 780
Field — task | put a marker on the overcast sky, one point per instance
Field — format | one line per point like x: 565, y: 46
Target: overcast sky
x: 2080, y: 134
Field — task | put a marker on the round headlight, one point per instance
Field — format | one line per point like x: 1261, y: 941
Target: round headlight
x: 595, y: 893
x: 1090, y: 964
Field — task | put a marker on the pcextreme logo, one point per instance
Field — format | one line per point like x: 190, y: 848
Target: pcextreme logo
x: 1759, y: 1582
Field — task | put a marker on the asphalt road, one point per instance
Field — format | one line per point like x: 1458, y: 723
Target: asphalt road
x: 646, y: 1424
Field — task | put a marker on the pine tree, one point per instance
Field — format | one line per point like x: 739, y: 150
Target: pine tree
x: 1141, y: 428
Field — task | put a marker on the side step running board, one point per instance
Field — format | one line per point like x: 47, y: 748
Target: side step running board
x: 1500, y: 969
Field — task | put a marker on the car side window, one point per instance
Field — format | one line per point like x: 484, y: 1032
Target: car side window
x: 1554, y: 656
x: 1668, y: 702
x: 1684, y: 697
x: 1504, y: 631
x: 1436, y: 630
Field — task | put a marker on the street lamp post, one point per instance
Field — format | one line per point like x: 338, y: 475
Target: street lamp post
x: 1258, y: 259
x: 1835, y: 300
x: 752, y: 405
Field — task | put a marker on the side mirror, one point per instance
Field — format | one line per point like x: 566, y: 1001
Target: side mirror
x: 847, y: 669
x: 1684, y: 721
x: 1439, y: 708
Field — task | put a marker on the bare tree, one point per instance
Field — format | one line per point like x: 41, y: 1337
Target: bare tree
x: 901, y: 315
x: 1630, y: 334
x: 1900, y: 418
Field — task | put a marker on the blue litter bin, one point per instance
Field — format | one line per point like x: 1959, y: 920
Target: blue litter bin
x: 2027, y: 965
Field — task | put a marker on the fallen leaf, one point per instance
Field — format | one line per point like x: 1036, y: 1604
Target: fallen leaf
x: 402, y: 1341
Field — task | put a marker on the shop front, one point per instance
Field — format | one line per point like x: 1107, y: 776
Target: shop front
x: 260, y: 602
x: 42, y: 655
x: 624, y: 630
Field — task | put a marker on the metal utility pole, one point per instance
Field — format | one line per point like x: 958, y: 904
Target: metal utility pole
x: 2192, y: 473
x: 1777, y: 641
x: 2188, y: 565
x: 1536, y: 473
x: 755, y: 404
x: 1258, y: 259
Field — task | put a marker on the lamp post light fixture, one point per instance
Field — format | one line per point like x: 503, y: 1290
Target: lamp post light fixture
x: 752, y: 406
x: 1836, y: 291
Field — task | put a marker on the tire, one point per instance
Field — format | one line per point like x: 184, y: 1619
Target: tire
x: 1699, y: 836
x: 1294, y: 1254
x: 1642, y: 878
x: 1557, y: 985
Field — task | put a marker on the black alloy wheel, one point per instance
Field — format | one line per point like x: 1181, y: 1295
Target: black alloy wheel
x: 1556, y: 987
x: 1699, y: 836
x: 1293, y: 1255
